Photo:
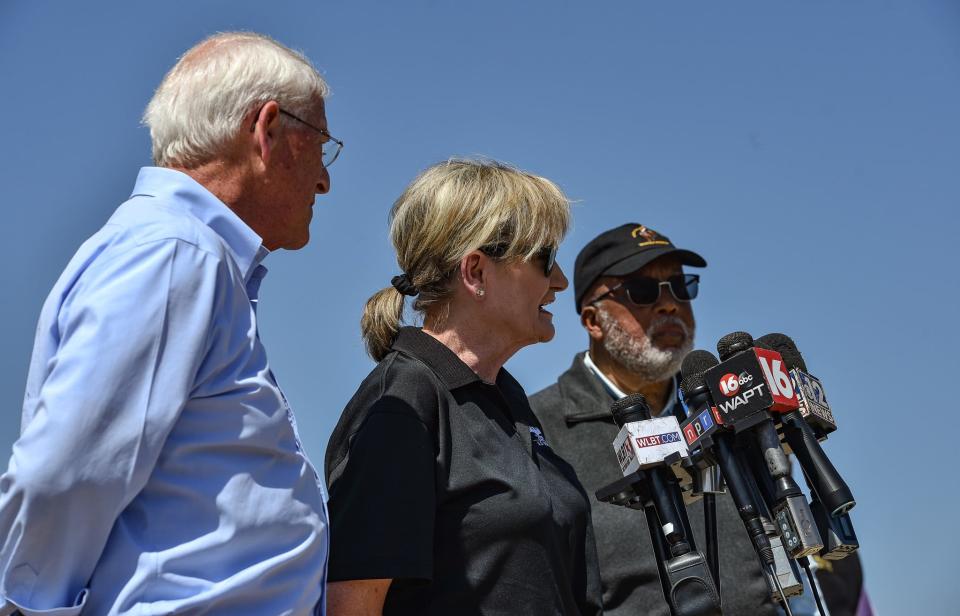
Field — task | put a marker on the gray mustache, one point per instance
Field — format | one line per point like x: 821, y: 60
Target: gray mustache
x: 660, y: 322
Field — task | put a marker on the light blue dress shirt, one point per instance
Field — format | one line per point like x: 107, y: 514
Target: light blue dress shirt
x: 158, y: 468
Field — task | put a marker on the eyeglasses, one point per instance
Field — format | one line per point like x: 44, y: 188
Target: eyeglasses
x: 644, y: 291
x: 332, y: 145
x: 547, y: 254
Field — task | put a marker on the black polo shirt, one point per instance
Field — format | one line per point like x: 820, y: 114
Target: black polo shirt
x: 444, y: 483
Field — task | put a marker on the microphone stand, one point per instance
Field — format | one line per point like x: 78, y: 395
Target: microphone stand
x: 710, y: 530
x: 686, y: 582
x: 814, y: 587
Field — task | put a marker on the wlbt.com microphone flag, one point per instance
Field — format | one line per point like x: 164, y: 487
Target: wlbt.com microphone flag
x: 647, y: 443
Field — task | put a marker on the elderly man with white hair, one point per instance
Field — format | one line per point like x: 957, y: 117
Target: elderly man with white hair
x: 158, y: 468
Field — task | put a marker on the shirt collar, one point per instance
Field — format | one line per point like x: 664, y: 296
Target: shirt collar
x: 445, y: 364
x: 180, y: 190
x: 617, y: 393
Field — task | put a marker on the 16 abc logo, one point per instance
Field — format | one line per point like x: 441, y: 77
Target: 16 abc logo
x: 730, y: 383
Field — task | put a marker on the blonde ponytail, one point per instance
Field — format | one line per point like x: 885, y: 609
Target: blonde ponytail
x: 381, y: 321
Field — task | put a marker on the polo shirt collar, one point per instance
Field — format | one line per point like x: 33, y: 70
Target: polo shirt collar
x: 444, y: 362
x: 180, y: 190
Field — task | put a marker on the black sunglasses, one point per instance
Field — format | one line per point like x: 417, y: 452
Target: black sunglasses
x: 644, y: 291
x: 547, y: 254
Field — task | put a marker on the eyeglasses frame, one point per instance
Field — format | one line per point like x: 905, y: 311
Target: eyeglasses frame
x: 324, y: 132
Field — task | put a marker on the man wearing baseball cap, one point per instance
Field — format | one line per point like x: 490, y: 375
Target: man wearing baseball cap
x: 635, y: 303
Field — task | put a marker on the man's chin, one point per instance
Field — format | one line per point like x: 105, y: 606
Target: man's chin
x: 547, y: 334
x: 299, y: 242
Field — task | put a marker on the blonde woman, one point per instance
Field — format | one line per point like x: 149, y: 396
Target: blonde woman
x: 444, y: 496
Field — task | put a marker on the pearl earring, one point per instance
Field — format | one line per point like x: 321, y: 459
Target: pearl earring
x: 480, y: 291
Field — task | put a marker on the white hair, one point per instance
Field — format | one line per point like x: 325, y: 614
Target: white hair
x: 201, y: 103
x: 639, y: 354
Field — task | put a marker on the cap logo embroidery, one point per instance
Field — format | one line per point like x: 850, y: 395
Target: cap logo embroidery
x: 649, y: 237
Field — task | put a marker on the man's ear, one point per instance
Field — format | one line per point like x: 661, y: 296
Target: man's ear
x: 474, y: 274
x: 589, y: 318
x: 266, y: 123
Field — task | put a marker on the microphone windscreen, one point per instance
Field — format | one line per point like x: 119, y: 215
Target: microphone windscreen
x: 784, y: 345
x: 689, y: 383
x: 698, y: 361
x: 694, y: 365
x: 733, y: 343
x: 631, y: 408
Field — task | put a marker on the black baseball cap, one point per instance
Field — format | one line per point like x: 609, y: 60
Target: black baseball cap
x: 622, y: 251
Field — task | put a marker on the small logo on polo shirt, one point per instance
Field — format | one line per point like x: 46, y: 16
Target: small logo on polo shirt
x: 537, y: 435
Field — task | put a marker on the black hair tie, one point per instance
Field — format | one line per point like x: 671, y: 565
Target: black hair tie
x: 402, y: 284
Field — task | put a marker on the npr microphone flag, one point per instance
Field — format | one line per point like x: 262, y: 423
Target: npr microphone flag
x: 645, y: 444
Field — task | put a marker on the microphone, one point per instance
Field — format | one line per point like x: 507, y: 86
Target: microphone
x: 644, y: 446
x: 703, y: 422
x: 812, y: 401
x: 644, y: 443
x: 762, y: 371
x: 749, y: 383
x: 697, y: 395
x: 832, y: 499
x: 716, y: 442
x: 698, y: 429
x: 829, y: 486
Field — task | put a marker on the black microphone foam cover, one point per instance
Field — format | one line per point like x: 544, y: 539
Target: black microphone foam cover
x: 784, y: 345
x: 689, y: 383
x: 631, y: 408
x: 698, y: 361
x: 733, y: 343
x: 694, y: 365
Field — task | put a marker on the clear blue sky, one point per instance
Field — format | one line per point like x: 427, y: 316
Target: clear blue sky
x: 809, y: 150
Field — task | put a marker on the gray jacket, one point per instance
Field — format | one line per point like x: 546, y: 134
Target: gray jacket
x: 575, y: 413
